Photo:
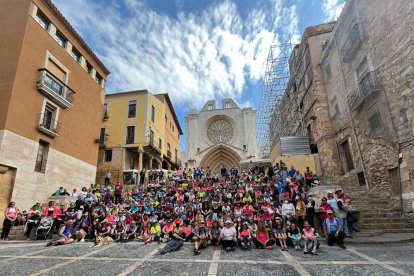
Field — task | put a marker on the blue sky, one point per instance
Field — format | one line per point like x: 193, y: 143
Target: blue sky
x: 195, y: 50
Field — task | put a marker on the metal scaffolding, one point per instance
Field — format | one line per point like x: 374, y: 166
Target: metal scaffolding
x: 274, y: 85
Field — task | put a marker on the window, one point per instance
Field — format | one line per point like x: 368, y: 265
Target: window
x: 160, y: 143
x: 88, y: 68
x: 173, y: 128
x: 102, y: 136
x: 132, y: 109
x: 41, y: 19
x: 328, y: 72
x: 130, y: 135
x: 105, y: 114
x: 57, y: 72
x: 48, y: 118
x: 41, y: 158
x: 374, y: 122
x: 227, y: 105
x: 210, y: 107
x: 108, y: 155
x: 151, y: 137
x: 75, y: 54
x: 98, y: 78
x: 165, y: 118
x: 361, y: 178
x: 168, y: 146
x: 244, y: 147
x: 348, y: 164
x: 60, y: 39
x: 152, y: 114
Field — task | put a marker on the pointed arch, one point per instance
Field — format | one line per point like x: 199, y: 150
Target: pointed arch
x: 219, y: 155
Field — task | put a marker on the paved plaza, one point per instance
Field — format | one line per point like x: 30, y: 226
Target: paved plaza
x: 138, y: 259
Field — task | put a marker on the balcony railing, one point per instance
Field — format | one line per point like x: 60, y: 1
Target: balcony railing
x: 352, y: 43
x: 366, y: 86
x: 169, y: 154
x: 129, y: 140
x: 48, y: 125
x: 105, y: 116
x: 55, y: 89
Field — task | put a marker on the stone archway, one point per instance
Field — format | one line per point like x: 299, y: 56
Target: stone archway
x: 219, y: 155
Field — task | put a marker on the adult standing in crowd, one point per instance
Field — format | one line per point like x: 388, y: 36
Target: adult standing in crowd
x: 10, y: 213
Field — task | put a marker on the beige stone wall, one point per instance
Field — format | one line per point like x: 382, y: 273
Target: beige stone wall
x: 30, y: 186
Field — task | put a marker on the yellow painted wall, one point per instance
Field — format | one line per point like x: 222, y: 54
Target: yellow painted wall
x: 118, y: 118
x: 171, y: 134
x: 300, y: 162
x: 158, y: 125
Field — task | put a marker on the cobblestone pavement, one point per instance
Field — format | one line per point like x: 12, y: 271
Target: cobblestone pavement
x: 138, y: 259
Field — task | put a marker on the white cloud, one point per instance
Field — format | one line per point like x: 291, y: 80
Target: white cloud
x: 194, y: 56
x: 332, y: 9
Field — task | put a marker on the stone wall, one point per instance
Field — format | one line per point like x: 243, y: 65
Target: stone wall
x: 29, y: 186
x: 385, y: 50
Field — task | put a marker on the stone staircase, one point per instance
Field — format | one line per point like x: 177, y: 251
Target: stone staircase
x: 16, y: 233
x: 378, y: 213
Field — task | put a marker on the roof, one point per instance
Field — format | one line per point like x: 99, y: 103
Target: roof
x: 127, y: 92
x: 60, y: 16
x: 167, y: 97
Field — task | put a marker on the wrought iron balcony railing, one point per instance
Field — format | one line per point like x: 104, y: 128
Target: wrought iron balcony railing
x: 366, y: 86
x: 48, y: 125
x: 56, y: 90
x: 352, y: 43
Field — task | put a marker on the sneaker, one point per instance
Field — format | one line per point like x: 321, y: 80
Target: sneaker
x: 305, y: 252
x: 49, y: 243
x: 228, y: 249
x: 82, y: 240
x: 342, y: 246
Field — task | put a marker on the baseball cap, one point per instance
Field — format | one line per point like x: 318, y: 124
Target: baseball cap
x: 228, y: 221
x: 329, y: 212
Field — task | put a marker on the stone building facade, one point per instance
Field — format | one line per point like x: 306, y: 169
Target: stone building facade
x: 219, y: 136
x: 368, y: 72
x: 304, y: 106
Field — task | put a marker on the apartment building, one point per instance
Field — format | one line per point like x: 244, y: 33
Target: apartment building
x: 139, y: 131
x: 52, y: 89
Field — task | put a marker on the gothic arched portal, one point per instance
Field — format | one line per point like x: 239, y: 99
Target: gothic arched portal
x: 219, y: 155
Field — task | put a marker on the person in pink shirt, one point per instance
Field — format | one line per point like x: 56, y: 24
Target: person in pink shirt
x: 310, y: 236
x: 11, y: 213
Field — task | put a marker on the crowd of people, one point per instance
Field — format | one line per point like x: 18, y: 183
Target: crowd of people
x: 263, y: 207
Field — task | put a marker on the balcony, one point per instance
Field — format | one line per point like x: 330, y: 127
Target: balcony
x: 54, y: 89
x: 351, y: 44
x: 367, y: 86
x: 47, y: 125
x: 105, y: 116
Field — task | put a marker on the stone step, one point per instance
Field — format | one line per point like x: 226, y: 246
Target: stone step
x: 386, y: 225
x: 403, y: 230
x: 381, y: 219
x: 367, y: 233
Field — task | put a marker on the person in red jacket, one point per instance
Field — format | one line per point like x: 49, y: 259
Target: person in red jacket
x: 50, y: 210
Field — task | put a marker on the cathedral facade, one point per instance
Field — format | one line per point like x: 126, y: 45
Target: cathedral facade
x: 219, y: 136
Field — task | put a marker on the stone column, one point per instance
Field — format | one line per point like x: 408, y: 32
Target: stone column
x: 139, y: 166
